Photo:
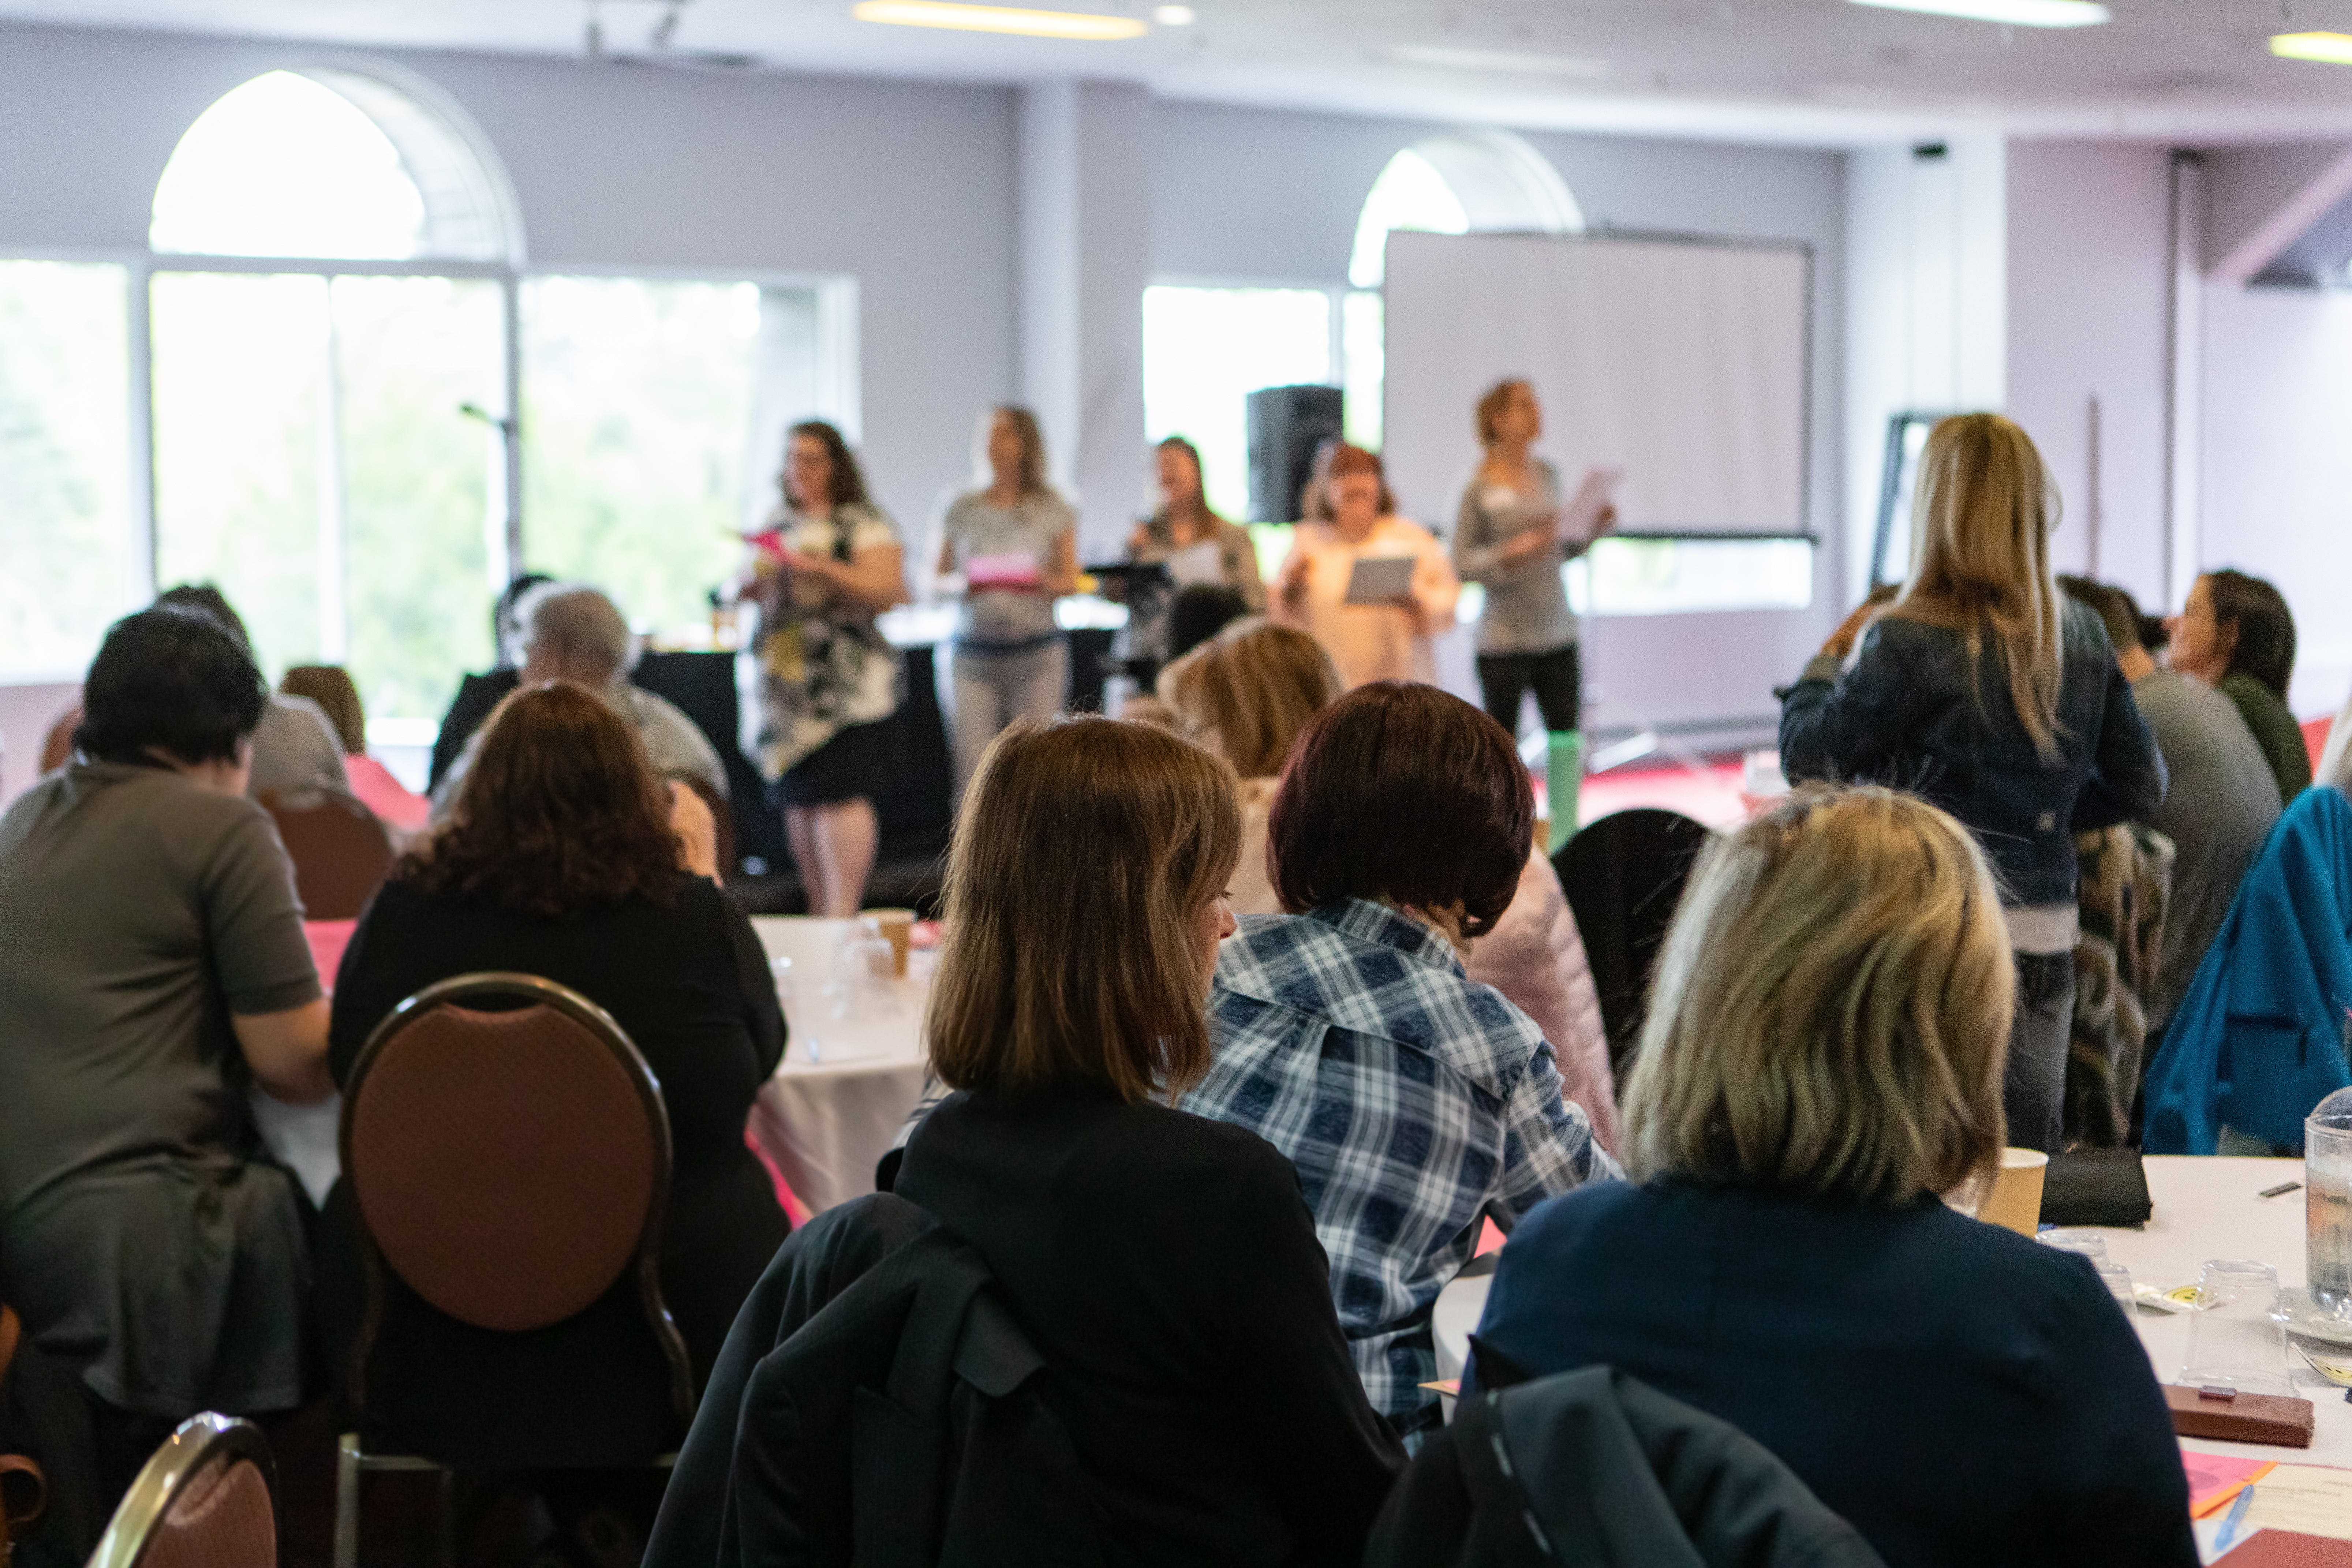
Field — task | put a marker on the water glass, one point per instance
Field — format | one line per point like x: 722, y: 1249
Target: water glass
x: 861, y: 968
x: 2234, y: 1341
x: 2116, y: 1278
x: 2328, y: 1202
x: 2089, y: 1243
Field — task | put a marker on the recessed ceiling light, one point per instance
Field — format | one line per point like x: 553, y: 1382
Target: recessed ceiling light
x: 2008, y: 13
x: 1087, y: 25
x: 1499, y: 60
x: 1173, y: 16
x: 2329, y: 48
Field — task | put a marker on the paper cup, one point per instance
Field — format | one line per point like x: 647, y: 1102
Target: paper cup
x: 894, y: 926
x: 2015, y: 1201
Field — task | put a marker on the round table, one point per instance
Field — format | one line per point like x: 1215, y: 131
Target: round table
x: 847, y: 1082
x: 2204, y: 1208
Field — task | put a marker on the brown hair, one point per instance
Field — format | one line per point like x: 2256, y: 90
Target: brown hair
x: 848, y: 479
x: 1033, y: 444
x: 1982, y: 516
x: 1253, y: 687
x: 1347, y: 459
x: 1401, y: 792
x: 329, y: 686
x: 560, y: 813
x: 1084, y: 848
x: 1832, y: 1006
x: 2253, y: 616
x: 1491, y: 406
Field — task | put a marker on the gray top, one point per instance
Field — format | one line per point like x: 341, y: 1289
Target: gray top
x: 140, y: 1227
x: 295, y: 748
x: 996, y: 617
x: 1526, y: 603
x: 2218, y: 811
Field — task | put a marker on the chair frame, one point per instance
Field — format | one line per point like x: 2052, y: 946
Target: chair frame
x: 284, y: 804
x: 351, y: 1457
x: 196, y: 1444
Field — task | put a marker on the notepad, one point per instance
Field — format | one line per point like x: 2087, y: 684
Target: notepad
x: 1381, y: 579
x: 1579, y: 520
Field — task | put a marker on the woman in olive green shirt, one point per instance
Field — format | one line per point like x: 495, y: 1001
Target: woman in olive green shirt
x: 2236, y: 634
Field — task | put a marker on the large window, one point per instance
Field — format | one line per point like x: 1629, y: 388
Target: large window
x: 349, y: 399
x: 1206, y: 349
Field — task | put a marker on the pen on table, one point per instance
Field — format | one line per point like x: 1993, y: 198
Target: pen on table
x: 2229, y: 1522
x: 2280, y: 1191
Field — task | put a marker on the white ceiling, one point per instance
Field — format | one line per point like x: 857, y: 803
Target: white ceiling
x: 1795, y: 70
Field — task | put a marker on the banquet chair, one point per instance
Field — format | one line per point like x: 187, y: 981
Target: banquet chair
x: 340, y: 852
x: 508, y: 1160
x: 206, y: 1499
x: 1623, y: 876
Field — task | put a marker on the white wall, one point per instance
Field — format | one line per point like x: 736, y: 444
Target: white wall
x: 2089, y: 249
x: 1259, y: 196
x: 907, y: 187
x: 2277, y: 465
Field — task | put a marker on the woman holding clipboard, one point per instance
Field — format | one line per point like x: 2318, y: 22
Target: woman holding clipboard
x: 1370, y: 586
x: 1010, y: 549
x: 1512, y: 536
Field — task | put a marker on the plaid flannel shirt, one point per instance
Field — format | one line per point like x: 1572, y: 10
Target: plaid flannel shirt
x: 1413, y: 1102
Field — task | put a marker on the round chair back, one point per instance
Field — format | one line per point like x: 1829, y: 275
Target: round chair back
x: 203, y: 1500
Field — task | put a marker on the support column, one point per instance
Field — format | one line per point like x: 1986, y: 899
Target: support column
x: 1085, y: 255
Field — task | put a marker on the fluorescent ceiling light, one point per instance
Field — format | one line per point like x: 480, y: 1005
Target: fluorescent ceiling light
x: 1497, y: 61
x: 2008, y: 13
x: 2329, y: 48
x: 1080, y: 25
x: 1173, y: 16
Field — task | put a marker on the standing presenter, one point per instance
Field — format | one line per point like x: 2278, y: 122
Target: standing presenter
x: 1507, y: 536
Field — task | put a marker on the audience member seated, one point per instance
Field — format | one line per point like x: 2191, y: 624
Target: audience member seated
x: 2220, y: 801
x: 1822, y: 1057
x: 155, y: 970
x: 329, y: 687
x: 477, y: 695
x: 1246, y: 695
x: 1986, y: 690
x: 572, y: 632
x: 1163, y: 1264
x: 2235, y: 634
x: 1414, y: 1101
x: 561, y: 860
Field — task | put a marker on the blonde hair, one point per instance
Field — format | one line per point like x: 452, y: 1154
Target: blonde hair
x: 1832, y: 1008
x: 1982, y: 519
x: 1033, y: 444
x: 1084, y: 849
x: 1252, y: 686
x: 1490, y: 406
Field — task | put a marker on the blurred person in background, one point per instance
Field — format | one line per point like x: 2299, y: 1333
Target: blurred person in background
x: 329, y: 687
x: 1008, y: 551
x: 2236, y: 634
x: 1388, y: 640
x: 479, y: 694
x: 820, y: 682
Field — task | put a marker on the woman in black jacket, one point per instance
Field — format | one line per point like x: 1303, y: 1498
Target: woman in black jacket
x: 1164, y: 1265
x: 561, y: 860
x: 1988, y: 691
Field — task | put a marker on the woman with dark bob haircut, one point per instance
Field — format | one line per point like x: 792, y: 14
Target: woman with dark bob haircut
x: 560, y: 859
x: 1414, y: 1101
x: 1165, y: 1265
x: 154, y: 969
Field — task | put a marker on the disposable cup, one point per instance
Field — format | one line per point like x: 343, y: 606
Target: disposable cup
x: 2015, y: 1201
x: 894, y: 926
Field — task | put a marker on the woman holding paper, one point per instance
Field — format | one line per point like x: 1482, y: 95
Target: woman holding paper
x: 1346, y: 581
x: 1510, y: 535
x: 1009, y: 548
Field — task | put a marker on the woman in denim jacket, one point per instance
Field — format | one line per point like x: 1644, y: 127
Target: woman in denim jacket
x: 1986, y: 691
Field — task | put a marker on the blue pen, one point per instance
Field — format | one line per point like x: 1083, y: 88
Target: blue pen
x: 2229, y: 1522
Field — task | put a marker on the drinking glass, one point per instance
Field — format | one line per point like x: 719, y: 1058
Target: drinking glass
x: 2328, y: 1202
x: 2116, y: 1278
x: 2233, y: 1342
x: 2089, y: 1243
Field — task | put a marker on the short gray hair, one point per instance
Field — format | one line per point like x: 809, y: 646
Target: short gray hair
x: 579, y: 626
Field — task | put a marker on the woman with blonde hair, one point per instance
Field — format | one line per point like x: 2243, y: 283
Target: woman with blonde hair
x: 1245, y: 695
x: 1165, y: 1265
x: 1822, y: 1057
x: 1997, y: 698
x: 1008, y: 548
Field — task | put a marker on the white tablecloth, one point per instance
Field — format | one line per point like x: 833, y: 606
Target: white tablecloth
x: 825, y: 1122
x: 2205, y: 1208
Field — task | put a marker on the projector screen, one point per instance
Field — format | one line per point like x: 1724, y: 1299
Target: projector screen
x: 1681, y: 363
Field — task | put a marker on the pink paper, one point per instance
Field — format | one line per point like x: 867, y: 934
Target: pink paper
x: 2213, y: 1477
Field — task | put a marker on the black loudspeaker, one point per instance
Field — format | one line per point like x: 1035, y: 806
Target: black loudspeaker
x: 1287, y: 424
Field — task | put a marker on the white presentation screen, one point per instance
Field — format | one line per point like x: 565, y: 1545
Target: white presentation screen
x: 1682, y: 364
